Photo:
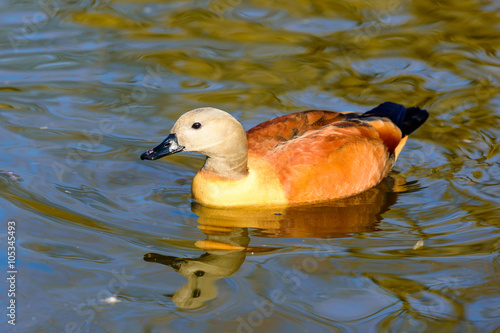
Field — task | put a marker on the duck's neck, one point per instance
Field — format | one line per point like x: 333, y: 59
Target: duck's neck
x: 230, y: 167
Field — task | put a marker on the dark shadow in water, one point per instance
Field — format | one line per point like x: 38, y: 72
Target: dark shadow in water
x: 227, y: 238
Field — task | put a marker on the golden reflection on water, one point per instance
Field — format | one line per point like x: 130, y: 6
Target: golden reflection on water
x: 442, y: 35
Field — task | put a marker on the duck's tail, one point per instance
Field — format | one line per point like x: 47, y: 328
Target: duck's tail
x: 407, y: 119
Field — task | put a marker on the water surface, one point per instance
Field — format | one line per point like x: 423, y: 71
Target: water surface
x: 109, y: 243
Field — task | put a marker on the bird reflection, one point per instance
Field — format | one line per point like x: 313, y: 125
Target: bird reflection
x: 225, y: 252
x: 227, y: 240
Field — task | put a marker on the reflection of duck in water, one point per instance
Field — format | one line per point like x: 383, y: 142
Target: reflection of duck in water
x: 225, y: 252
x: 303, y: 157
x: 227, y: 239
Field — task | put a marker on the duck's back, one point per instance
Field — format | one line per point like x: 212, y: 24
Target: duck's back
x: 322, y: 155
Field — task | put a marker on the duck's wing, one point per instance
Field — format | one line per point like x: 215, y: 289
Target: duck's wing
x: 267, y: 135
x: 321, y: 155
x: 393, y: 122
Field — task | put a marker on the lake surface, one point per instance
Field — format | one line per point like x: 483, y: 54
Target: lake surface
x: 106, y: 242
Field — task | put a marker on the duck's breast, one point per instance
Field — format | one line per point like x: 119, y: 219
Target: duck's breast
x: 260, y: 188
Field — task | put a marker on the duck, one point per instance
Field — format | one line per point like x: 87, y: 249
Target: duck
x: 299, y: 158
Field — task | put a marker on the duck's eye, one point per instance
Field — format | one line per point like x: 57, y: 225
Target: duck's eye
x: 196, y: 125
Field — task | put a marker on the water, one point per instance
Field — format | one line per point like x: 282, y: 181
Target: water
x: 108, y: 243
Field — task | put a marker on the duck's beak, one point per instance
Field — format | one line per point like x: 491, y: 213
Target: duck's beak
x: 169, y: 146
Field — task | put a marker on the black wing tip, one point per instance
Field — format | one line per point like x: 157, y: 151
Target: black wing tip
x: 414, y: 118
x: 407, y: 119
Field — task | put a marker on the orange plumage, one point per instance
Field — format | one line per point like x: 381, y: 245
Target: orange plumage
x: 321, y: 155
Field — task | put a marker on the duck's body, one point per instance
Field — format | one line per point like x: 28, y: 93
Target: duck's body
x: 298, y: 158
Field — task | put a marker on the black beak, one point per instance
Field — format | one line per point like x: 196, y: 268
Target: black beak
x: 169, y: 146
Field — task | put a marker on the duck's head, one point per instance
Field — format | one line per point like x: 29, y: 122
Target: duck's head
x: 208, y: 131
